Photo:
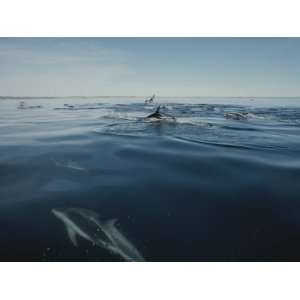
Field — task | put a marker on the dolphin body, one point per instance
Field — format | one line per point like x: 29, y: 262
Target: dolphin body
x: 70, y: 164
x: 157, y: 115
x: 150, y: 100
x: 22, y: 105
x: 106, y: 234
x: 236, y: 115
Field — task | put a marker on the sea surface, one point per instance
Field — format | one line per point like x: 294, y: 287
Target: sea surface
x: 221, y: 183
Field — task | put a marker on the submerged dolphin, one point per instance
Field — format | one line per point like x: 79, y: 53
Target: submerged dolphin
x: 106, y: 235
x: 70, y: 164
x: 124, y: 247
x: 74, y: 229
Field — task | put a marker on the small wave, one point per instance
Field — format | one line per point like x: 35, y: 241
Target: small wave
x: 165, y: 119
x: 31, y: 107
x: 120, y: 124
x: 61, y: 108
x: 149, y: 107
x: 212, y: 143
x: 185, y: 121
x: 91, y: 104
x: 115, y: 134
x: 117, y: 116
x: 241, y: 128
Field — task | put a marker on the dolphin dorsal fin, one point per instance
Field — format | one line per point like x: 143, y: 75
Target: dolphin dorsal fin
x: 72, y: 236
x: 158, y: 108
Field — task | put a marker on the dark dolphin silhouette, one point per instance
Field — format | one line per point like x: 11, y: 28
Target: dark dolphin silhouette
x: 150, y: 100
x: 156, y: 114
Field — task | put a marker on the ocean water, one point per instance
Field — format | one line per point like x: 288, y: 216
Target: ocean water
x: 221, y: 183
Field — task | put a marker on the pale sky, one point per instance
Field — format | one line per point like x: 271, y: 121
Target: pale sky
x: 143, y: 66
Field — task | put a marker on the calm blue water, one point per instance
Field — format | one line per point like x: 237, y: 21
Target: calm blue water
x: 204, y: 188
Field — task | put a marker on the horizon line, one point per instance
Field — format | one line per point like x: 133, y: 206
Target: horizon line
x: 136, y: 96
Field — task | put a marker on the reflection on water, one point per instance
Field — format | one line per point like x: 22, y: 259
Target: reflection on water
x: 220, y: 183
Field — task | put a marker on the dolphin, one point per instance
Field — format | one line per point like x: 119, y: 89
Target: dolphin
x: 70, y: 164
x: 124, y: 247
x: 104, y: 233
x: 74, y: 229
x: 236, y: 115
x: 22, y: 105
x: 157, y: 115
x: 150, y: 100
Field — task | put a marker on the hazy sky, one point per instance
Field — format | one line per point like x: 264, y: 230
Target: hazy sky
x: 143, y: 66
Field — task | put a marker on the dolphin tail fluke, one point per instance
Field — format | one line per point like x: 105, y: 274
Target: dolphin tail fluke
x: 72, y: 236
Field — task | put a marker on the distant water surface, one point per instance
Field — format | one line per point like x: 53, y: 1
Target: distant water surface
x: 222, y: 183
